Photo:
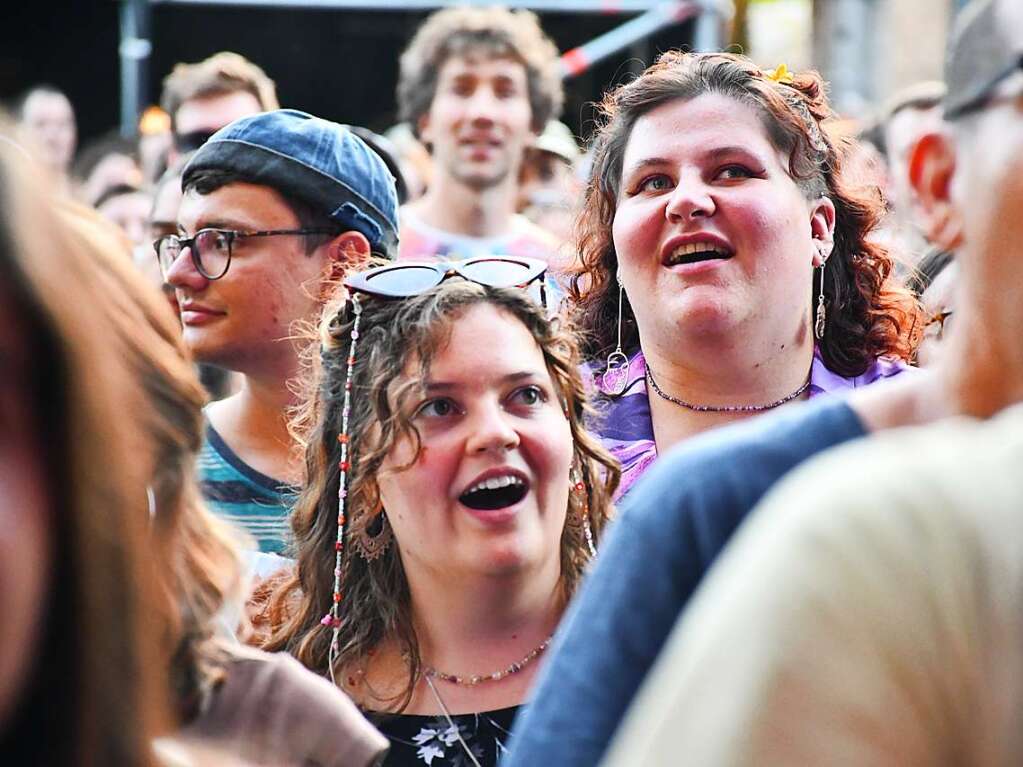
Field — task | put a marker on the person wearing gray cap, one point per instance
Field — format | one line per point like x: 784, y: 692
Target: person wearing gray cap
x: 277, y: 207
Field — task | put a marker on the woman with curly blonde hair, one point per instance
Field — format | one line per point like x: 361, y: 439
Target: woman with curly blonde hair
x: 726, y: 268
x: 453, y: 500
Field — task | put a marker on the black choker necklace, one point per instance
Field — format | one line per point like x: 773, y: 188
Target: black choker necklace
x: 724, y: 408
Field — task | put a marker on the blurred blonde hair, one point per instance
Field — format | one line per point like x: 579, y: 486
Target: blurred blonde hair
x: 96, y: 694
x: 199, y: 563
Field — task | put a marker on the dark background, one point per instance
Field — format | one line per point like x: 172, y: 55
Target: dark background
x: 337, y: 64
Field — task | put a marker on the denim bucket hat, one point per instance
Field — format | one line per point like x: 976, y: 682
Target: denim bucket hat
x: 317, y: 161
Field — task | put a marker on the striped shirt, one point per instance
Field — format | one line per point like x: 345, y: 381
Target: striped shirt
x: 245, y: 497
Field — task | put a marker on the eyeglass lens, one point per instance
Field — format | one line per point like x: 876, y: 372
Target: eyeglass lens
x: 404, y: 280
x: 496, y: 273
x: 211, y: 251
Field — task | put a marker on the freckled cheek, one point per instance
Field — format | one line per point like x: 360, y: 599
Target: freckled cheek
x: 268, y: 305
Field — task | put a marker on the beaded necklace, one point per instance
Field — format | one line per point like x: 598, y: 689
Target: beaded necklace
x: 472, y: 681
x: 430, y: 673
x: 724, y: 408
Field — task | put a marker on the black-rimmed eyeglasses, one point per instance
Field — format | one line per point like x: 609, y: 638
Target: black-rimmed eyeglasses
x: 211, y: 248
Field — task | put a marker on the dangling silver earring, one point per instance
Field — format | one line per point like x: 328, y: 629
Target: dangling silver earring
x: 616, y: 373
x: 822, y: 314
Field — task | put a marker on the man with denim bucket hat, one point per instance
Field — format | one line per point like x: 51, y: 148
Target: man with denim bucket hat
x: 277, y: 207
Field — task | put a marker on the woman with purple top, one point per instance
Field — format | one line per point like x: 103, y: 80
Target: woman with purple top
x: 725, y: 266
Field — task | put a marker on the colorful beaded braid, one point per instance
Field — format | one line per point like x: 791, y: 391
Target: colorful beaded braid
x: 332, y: 619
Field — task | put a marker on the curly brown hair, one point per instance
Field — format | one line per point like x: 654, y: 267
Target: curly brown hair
x: 495, y: 31
x: 377, y: 605
x: 869, y: 314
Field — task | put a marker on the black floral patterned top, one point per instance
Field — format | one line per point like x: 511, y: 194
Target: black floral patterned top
x: 430, y: 740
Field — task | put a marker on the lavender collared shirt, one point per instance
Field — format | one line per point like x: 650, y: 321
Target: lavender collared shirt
x: 625, y: 427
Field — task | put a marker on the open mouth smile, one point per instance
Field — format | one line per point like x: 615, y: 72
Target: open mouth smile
x: 496, y: 492
x: 695, y: 252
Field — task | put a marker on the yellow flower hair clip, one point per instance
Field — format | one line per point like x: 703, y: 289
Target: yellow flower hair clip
x: 780, y: 74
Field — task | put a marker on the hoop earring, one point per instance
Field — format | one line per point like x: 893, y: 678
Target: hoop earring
x: 371, y: 544
x: 616, y: 372
x: 822, y: 314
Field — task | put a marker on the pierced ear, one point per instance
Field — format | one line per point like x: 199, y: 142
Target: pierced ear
x: 931, y: 167
x: 822, y: 229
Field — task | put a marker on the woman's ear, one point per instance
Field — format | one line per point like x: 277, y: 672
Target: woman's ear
x: 822, y: 229
x: 931, y: 167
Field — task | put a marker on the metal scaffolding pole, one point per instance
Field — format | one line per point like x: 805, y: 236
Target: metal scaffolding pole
x: 134, y: 52
x: 654, y: 15
x: 845, y: 49
x: 710, y: 24
x: 665, y: 14
x: 606, y: 7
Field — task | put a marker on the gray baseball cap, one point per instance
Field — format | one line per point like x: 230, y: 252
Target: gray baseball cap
x: 985, y: 47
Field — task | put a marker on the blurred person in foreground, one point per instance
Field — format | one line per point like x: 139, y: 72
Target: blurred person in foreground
x: 81, y: 679
x: 203, y: 97
x: 477, y: 85
x: 886, y: 628
x: 239, y: 702
x: 277, y: 207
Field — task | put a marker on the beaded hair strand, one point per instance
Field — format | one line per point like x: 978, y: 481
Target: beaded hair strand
x: 332, y: 619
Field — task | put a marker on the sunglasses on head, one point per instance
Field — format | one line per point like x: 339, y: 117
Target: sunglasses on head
x: 411, y: 278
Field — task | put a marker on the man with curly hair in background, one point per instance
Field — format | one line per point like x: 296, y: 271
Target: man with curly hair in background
x: 477, y: 85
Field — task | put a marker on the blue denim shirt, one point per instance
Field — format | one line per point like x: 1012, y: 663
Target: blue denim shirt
x: 672, y: 526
